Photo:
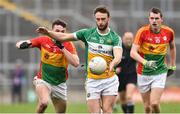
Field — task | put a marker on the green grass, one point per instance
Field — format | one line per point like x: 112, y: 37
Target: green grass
x: 79, y: 108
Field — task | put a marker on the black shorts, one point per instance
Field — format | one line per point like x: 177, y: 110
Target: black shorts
x: 126, y: 78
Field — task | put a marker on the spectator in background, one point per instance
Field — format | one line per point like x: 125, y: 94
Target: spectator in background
x: 127, y: 75
x: 149, y: 50
x: 17, y: 80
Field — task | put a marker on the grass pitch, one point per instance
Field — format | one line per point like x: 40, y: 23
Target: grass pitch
x: 80, y: 108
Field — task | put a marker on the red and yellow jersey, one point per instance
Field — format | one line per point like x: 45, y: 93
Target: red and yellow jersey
x: 53, y: 67
x: 153, y: 47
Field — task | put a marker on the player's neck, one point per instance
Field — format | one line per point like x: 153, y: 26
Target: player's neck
x: 156, y: 31
x: 104, y: 32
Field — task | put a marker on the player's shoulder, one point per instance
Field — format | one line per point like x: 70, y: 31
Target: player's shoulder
x: 41, y: 38
x: 88, y: 29
x: 91, y: 30
x: 68, y: 43
x: 112, y: 32
x: 167, y: 28
x: 144, y: 27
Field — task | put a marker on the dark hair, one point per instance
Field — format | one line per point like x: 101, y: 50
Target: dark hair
x: 101, y: 9
x: 59, y: 22
x: 156, y: 11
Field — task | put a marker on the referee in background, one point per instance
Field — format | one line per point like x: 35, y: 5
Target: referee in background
x: 127, y: 75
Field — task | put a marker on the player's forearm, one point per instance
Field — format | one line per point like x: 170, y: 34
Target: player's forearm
x: 72, y: 58
x: 61, y: 36
x: 134, y: 54
x: 117, y: 56
x: 116, y: 61
x: 173, y: 56
x: 56, y: 35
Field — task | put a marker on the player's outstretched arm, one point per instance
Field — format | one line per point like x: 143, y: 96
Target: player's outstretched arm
x: 23, y: 44
x: 56, y: 35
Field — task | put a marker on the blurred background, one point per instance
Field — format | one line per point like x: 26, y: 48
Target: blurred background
x: 20, y: 18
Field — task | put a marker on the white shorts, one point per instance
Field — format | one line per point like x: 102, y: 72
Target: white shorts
x: 59, y: 91
x: 96, y: 88
x: 145, y: 83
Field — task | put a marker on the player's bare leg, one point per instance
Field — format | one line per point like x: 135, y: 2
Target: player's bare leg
x: 108, y: 102
x: 43, y: 97
x: 129, y: 98
x: 94, y: 105
x: 146, y: 102
x: 122, y: 97
x: 59, y: 104
x: 156, y: 94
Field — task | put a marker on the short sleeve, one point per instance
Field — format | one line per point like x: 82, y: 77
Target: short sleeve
x: 138, y: 37
x: 117, y: 41
x: 70, y: 47
x: 81, y: 34
x: 36, y: 42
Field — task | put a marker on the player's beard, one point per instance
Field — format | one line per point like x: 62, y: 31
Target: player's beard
x: 103, y: 28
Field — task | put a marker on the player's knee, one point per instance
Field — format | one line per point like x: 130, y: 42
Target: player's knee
x: 129, y: 98
x: 44, y: 104
x: 148, y: 109
x: 155, y: 106
x: 107, y: 109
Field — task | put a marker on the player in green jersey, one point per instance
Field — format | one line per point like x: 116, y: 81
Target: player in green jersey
x: 99, y: 41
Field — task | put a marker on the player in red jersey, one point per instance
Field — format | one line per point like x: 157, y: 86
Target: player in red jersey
x: 51, y: 78
x: 149, y: 50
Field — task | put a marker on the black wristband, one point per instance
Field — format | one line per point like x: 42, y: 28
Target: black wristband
x: 25, y: 45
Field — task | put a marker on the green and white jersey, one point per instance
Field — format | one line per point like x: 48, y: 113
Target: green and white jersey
x: 98, y: 44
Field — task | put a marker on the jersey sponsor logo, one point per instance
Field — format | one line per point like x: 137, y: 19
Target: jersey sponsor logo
x: 100, y: 48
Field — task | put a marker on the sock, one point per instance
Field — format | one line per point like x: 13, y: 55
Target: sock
x: 124, y: 108
x: 130, y: 107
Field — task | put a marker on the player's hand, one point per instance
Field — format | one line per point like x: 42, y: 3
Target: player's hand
x: 150, y: 64
x: 42, y: 30
x: 171, y: 70
x: 118, y: 70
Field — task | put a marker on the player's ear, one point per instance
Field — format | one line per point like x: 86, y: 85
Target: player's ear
x: 162, y: 20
